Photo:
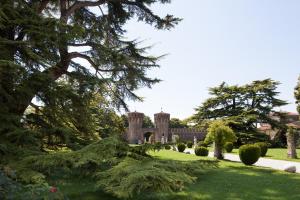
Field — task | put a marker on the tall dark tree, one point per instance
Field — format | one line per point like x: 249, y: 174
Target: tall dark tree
x: 42, y: 41
x: 242, y: 106
x: 147, y: 122
x: 297, y: 95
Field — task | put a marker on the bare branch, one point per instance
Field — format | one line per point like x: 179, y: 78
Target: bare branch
x: 87, y: 58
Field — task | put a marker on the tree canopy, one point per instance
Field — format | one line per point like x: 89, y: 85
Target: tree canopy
x: 177, y: 123
x: 79, y: 41
x: 297, y: 94
x: 65, y: 59
x: 242, y: 107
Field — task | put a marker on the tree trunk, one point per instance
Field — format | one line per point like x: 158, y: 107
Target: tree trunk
x: 291, y: 143
x: 218, y: 151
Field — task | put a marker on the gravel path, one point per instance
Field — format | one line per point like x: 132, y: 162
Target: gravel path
x: 262, y: 162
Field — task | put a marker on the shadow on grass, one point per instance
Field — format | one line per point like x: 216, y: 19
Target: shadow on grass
x: 233, y: 181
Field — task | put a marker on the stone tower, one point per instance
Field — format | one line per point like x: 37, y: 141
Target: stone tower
x: 135, y: 120
x: 162, y: 124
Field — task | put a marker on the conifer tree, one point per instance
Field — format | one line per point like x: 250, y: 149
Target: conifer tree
x: 297, y: 95
x: 42, y: 41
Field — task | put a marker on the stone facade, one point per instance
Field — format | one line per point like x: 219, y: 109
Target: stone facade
x: 136, y: 134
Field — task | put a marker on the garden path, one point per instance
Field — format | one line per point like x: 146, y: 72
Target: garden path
x: 262, y: 162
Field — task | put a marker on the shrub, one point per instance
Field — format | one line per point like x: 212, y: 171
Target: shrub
x: 201, y: 151
x: 181, y: 147
x: 167, y: 147
x: 219, y: 133
x: 249, y: 153
x: 202, y: 144
x: 228, y: 147
x: 263, y: 148
x: 189, y: 144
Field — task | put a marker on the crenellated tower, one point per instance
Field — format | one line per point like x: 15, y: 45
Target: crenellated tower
x: 135, y: 120
x: 162, y: 124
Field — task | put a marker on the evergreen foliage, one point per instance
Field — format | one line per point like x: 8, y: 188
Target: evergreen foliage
x: 249, y: 153
x: 219, y: 133
x: 263, y: 148
x: 242, y: 107
x: 181, y: 147
x: 42, y: 46
x: 201, y: 151
x: 297, y: 94
x: 177, y: 123
x: 132, y: 177
x: 228, y: 147
x: 189, y: 144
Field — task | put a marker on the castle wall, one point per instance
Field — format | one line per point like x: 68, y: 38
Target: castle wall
x: 135, y: 132
x: 188, y: 134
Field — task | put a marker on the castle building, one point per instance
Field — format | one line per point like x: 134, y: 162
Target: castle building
x: 136, y: 134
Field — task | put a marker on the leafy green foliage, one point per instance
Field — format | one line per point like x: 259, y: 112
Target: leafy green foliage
x: 132, y: 177
x: 263, y: 148
x: 228, y: 147
x: 177, y: 123
x: 181, y: 147
x: 202, y: 144
x: 249, y: 153
x: 39, y: 63
x: 297, y: 95
x: 147, y: 122
x: 167, y: 147
x: 242, y: 107
x: 189, y: 144
x: 219, y: 133
x: 201, y: 151
x: 251, y: 137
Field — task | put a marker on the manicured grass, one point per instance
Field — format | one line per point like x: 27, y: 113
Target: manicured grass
x: 231, y: 181
x: 274, y: 153
x: 236, y: 181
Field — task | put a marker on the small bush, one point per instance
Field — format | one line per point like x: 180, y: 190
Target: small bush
x: 228, y: 147
x: 189, y: 144
x: 167, y: 147
x: 249, y: 153
x: 263, y: 148
x: 181, y: 147
x: 201, y: 144
x: 201, y: 151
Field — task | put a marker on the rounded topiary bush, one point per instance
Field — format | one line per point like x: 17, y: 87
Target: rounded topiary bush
x: 181, y: 147
x: 201, y: 151
x: 263, y: 148
x: 228, y: 147
x: 167, y: 147
x: 249, y: 153
x: 189, y: 144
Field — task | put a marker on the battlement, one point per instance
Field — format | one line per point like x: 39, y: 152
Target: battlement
x: 133, y: 115
x: 136, y: 134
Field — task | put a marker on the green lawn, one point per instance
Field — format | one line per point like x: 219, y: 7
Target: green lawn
x: 231, y: 181
x: 235, y: 181
x: 276, y: 153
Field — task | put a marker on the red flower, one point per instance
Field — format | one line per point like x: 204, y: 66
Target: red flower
x: 53, y: 189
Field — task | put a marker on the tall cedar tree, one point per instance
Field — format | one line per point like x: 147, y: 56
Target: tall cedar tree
x: 42, y: 41
x: 241, y: 106
x: 297, y: 95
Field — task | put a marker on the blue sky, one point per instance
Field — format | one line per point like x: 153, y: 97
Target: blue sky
x: 236, y: 41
